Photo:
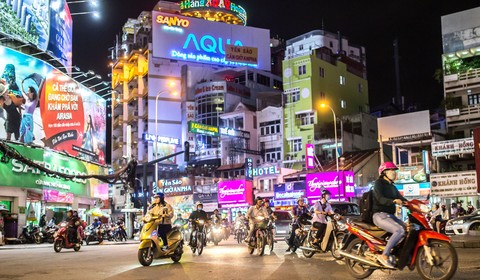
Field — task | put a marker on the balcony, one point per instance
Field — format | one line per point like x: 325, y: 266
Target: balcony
x: 462, y: 81
x: 470, y: 115
x: 118, y: 120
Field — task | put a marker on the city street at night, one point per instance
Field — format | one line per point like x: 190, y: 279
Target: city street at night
x: 226, y: 261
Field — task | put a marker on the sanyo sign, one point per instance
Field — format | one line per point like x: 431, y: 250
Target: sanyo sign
x: 191, y: 39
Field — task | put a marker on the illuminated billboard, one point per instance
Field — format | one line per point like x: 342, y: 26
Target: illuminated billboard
x: 47, y: 24
x: 197, y: 40
x: 64, y: 115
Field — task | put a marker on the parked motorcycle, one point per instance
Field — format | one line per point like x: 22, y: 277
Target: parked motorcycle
x: 332, y: 240
x: 258, y: 240
x: 119, y: 233
x: 199, y: 235
x: 150, y: 245
x: 423, y: 248
x: 47, y: 233
x: 62, y: 241
x: 30, y: 234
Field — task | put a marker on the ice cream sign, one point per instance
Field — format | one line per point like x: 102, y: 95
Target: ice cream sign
x: 340, y: 184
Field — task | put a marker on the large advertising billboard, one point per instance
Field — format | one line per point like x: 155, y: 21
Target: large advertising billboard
x: 197, y: 40
x: 51, y: 109
x: 235, y: 193
x: 17, y: 174
x: 405, y: 127
x: 47, y: 24
x: 340, y: 184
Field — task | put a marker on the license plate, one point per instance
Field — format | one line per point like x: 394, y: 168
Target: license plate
x: 448, y: 228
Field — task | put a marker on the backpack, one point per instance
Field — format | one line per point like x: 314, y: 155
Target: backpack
x: 366, y: 207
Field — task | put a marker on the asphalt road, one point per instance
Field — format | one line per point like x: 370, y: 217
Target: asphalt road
x: 226, y: 261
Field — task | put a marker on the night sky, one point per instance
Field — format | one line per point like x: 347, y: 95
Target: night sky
x: 372, y: 24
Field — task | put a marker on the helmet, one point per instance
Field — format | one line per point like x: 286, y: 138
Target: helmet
x: 266, y: 200
x: 325, y: 192
x: 300, y: 199
x: 387, y: 166
x: 159, y: 194
x: 199, y: 203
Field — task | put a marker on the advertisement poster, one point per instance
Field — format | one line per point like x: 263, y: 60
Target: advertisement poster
x: 234, y: 192
x: 411, y: 175
x: 47, y: 24
x: 340, y: 184
x: 17, y: 174
x: 62, y: 115
x: 454, y: 184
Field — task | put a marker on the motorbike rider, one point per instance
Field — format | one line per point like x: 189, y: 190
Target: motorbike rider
x: 216, y: 217
x: 271, y: 214
x: 253, y: 212
x: 239, y: 222
x: 72, y: 224
x: 321, y: 208
x: 297, y: 211
x: 385, y: 197
x: 198, y: 214
x: 179, y: 221
x: 165, y: 212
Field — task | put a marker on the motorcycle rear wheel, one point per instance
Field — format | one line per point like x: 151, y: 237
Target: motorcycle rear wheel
x: 58, y: 245
x: 144, y: 258
x: 357, y: 269
x: 336, y: 247
x: 443, y: 253
x: 38, y: 239
x: 307, y: 253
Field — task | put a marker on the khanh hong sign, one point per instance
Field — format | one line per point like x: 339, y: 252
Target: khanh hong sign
x: 454, y: 184
x: 453, y: 147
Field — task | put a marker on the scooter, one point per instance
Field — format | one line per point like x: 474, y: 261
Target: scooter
x: 61, y: 240
x: 150, y: 244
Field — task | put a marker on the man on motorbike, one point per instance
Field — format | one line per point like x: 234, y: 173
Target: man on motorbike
x: 271, y: 214
x: 179, y: 221
x: 165, y: 212
x: 238, y: 222
x: 255, y: 211
x: 321, y: 208
x: 199, y: 214
x: 297, y: 211
x: 216, y: 217
x: 72, y: 224
x: 385, y: 197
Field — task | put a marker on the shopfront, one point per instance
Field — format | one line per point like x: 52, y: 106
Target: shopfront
x: 235, y: 196
x: 340, y: 184
x: 30, y: 193
x: 286, y: 194
x: 178, y: 193
x: 455, y: 187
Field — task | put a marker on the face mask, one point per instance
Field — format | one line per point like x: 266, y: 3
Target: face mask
x: 391, y: 175
x: 199, y: 208
x: 327, y: 197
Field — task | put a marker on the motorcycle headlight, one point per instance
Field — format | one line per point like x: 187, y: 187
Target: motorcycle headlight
x: 424, y: 208
x: 201, y: 222
x: 147, y: 218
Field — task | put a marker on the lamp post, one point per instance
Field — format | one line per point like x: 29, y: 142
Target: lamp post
x: 155, y: 150
x: 323, y: 105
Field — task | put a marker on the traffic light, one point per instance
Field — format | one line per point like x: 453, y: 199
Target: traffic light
x: 186, y: 152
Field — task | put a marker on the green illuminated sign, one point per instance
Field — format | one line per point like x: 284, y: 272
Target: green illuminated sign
x: 202, y: 129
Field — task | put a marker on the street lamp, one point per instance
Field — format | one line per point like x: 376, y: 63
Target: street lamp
x: 323, y: 105
x: 156, y: 129
x: 94, y: 77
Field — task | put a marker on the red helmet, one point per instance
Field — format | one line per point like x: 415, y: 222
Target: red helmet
x: 266, y: 200
x: 387, y: 166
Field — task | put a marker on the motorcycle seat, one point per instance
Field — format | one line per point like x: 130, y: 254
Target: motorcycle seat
x: 367, y: 226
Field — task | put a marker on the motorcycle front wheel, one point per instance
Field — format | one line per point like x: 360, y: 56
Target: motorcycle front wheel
x: 58, y: 245
x: 145, y: 256
x: 77, y: 247
x: 38, y: 238
x: 200, y: 244
x: 357, y: 270
x: 444, y: 257
x: 261, y: 245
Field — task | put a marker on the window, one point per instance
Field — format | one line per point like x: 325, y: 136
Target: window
x: 297, y: 145
x: 331, y: 44
x: 295, y: 96
x: 360, y: 88
x: 263, y: 80
x: 302, y: 70
x: 306, y: 118
x: 322, y: 72
x: 322, y: 95
x: 342, y: 80
x: 273, y: 154
x: 473, y: 99
x: 267, y: 128
x: 300, y: 47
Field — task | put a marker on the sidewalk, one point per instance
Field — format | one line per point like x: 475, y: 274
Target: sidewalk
x: 465, y: 241
x: 48, y: 245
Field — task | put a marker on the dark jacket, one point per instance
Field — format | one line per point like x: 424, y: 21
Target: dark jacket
x: 384, y: 193
x: 198, y: 214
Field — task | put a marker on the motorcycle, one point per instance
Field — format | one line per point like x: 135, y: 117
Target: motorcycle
x: 240, y: 231
x: 270, y: 238
x: 150, y: 245
x: 93, y: 234
x: 332, y: 240
x: 423, y: 248
x: 258, y: 240
x: 119, y: 233
x: 47, y: 233
x: 31, y: 234
x: 216, y: 234
x: 198, y: 237
x: 61, y: 240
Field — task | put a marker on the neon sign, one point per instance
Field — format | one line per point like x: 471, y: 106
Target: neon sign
x: 209, y: 44
x: 173, y: 21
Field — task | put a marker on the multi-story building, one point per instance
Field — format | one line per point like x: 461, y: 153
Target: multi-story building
x: 320, y: 67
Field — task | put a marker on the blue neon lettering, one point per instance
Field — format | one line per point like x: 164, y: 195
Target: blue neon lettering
x: 208, y: 43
